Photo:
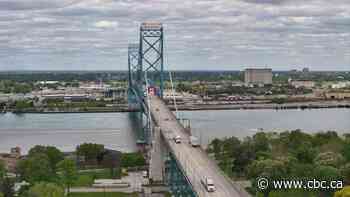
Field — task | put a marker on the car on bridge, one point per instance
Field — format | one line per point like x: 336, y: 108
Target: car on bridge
x: 194, y: 141
x: 208, y: 183
x: 177, y: 139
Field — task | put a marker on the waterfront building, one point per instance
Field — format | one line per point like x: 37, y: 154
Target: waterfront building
x: 258, y: 76
x: 340, y: 95
x: 302, y: 84
x: 11, y: 159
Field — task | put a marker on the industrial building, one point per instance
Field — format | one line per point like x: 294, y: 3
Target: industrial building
x: 258, y: 76
x: 302, y: 84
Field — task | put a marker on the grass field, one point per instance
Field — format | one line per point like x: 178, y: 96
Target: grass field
x: 102, y: 194
x: 87, y: 178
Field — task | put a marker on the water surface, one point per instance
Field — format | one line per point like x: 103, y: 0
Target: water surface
x: 114, y: 130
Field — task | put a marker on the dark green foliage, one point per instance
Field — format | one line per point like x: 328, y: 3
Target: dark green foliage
x: 36, y: 169
x: 287, y: 155
x: 133, y: 160
x: 68, y: 172
x: 21, y: 105
x: 10, y: 86
x: 2, y: 170
x: 279, y: 100
x: 90, y: 151
x: 346, y: 151
x: 6, y: 187
x: 304, y: 153
x: 46, y: 190
x: 53, y: 154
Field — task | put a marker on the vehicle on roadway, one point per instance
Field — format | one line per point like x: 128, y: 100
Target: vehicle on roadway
x: 208, y: 183
x: 145, y: 174
x: 177, y: 139
x: 194, y: 141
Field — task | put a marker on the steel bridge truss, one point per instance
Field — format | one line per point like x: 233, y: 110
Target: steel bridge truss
x: 136, y: 95
x: 146, y: 68
x: 151, y: 53
x: 176, y: 180
x: 145, y: 61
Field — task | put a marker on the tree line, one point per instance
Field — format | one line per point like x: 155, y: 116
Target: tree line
x: 285, y: 156
x: 51, y: 173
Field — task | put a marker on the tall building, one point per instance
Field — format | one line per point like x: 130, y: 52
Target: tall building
x: 258, y: 76
x: 306, y: 70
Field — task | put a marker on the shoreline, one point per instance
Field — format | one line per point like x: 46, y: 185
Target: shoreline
x: 200, y: 107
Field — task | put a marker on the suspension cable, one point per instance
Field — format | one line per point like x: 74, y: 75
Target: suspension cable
x: 173, y: 94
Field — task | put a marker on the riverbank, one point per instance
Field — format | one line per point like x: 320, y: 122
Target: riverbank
x: 193, y: 107
x: 256, y: 106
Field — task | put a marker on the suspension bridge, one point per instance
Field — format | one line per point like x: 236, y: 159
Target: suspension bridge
x: 178, y: 165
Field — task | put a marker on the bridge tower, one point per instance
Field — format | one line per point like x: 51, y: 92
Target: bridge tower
x: 135, y: 70
x: 146, y: 69
x: 151, y: 53
x: 136, y: 93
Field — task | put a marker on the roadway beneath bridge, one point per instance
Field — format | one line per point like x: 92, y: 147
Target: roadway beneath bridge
x: 194, y: 161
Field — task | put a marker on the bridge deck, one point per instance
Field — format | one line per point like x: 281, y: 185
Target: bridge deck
x: 194, y: 161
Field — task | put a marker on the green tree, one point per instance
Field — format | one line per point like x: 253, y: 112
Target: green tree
x: 6, y: 187
x: 21, y: 105
x: 36, y: 169
x: 268, y: 169
x: 346, y: 150
x: 345, y: 172
x: 327, y: 173
x: 345, y: 192
x: 53, y: 154
x: 215, y: 147
x: 261, y: 142
x: 45, y: 190
x: 90, y: 151
x: 304, y: 153
x: 325, y: 137
x: 2, y: 171
x: 329, y: 159
x: 132, y: 160
x: 246, y: 155
x: 295, y: 138
x: 1, y: 194
x: 181, y: 87
x: 68, y: 172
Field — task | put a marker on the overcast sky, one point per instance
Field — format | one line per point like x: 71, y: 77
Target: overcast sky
x: 199, y: 34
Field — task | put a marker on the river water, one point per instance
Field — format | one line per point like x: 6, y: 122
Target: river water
x: 114, y: 130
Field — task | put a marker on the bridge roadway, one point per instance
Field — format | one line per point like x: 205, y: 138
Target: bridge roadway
x: 194, y: 161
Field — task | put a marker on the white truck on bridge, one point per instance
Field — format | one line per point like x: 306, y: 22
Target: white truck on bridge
x: 208, y: 183
x: 194, y: 141
x: 177, y: 139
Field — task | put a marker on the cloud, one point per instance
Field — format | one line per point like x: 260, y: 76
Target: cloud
x: 232, y: 34
x: 35, y: 5
x: 106, y: 24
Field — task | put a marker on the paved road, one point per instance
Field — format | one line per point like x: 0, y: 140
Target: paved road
x: 194, y: 161
x: 135, y: 180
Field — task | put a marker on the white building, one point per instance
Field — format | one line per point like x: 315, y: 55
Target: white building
x: 340, y: 85
x: 302, y: 83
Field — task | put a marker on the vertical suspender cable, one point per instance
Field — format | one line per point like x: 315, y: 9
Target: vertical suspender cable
x: 173, y: 94
x: 149, y: 107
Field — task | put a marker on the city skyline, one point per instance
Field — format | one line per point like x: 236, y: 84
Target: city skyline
x: 199, y: 34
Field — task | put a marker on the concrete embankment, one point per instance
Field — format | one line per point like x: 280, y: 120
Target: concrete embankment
x: 196, y: 107
x: 303, y: 105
